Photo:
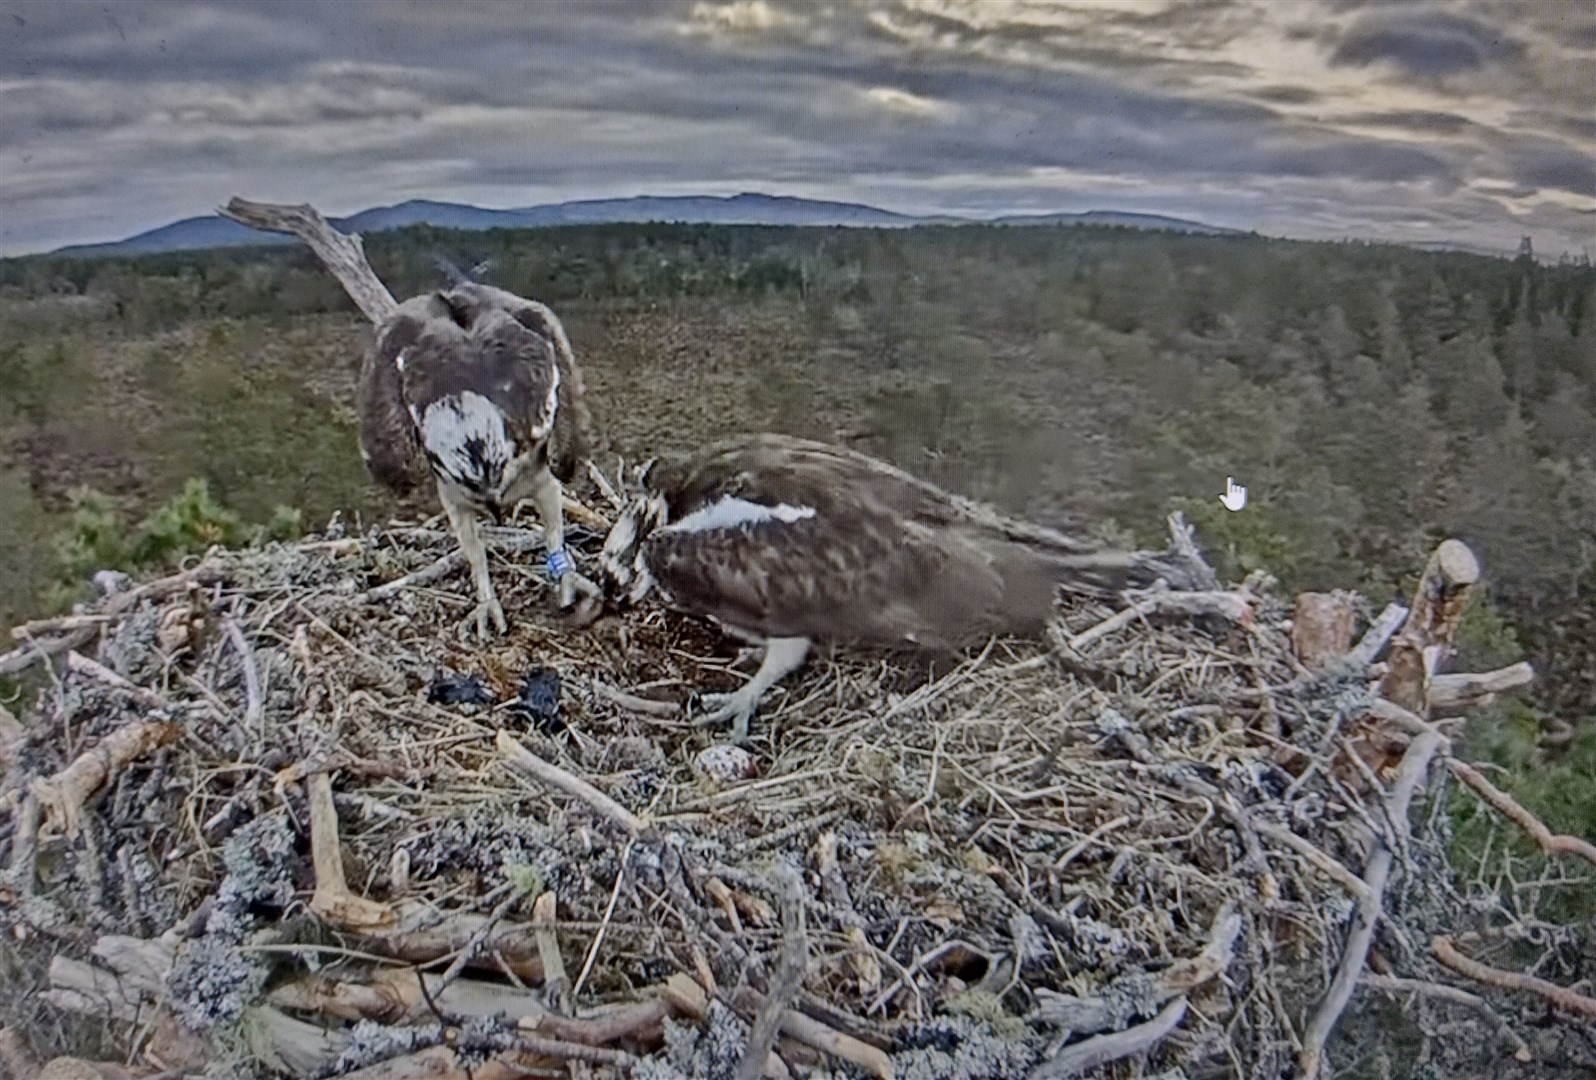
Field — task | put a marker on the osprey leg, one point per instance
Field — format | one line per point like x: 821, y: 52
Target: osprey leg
x: 546, y: 496
x: 464, y: 522
x: 783, y: 656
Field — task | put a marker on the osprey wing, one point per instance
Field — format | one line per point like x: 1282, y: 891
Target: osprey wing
x: 784, y: 545
x: 389, y: 444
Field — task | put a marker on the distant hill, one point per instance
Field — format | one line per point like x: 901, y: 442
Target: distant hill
x: 749, y: 208
x: 1117, y: 217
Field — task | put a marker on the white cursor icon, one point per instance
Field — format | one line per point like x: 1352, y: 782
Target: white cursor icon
x: 1235, y: 496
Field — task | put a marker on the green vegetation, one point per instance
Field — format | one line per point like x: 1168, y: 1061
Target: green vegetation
x: 1372, y: 398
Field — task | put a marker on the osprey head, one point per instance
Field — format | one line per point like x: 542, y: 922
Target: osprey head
x: 623, y: 572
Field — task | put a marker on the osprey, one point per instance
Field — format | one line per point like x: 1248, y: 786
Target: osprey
x: 482, y: 385
x: 788, y: 542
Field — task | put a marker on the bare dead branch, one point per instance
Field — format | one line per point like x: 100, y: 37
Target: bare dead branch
x: 1390, y: 984
x: 1454, y: 694
x: 1321, y: 628
x: 342, y: 254
x: 1102, y: 1049
x: 1375, y: 637
x: 1411, y: 772
x: 332, y: 899
x: 1438, y: 605
x: 64, y: 795
x: 788, y: 977
x: 1504, y: 804
x: 1559, y: 997
x: 554, y: 776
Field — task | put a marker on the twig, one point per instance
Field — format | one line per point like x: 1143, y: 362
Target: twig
x: 1101, y: 1049
x: 1504, y: 804
x: 1235, y: 607
x: 332, y: 899
x: 64, y: 794
x: 604, y: 924
x: 1330, y: 867
x: 1415, y: 763
x: 474, y: 945
x: 1375, y: 637
x: 1558, y: 997
x: 1088, y: 1015
x: 787, y: 979
x: 253, y: 711
x: 79, y: 664
x: 556, y: 777
x: 24, y: 845
x: 818, y: 1035
x: 556, y: 986
x: 1391, y: 984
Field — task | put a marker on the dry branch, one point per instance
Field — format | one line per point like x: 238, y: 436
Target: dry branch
x: 1438, y: 605
x: 342, y: 254
x: 1233, y: 606
x: 1391, y: 984
x: 64, y: 794
x: 1415, y: 763
x: 332, y: 899
x: 1089, y: 1015
x: 1559, y: 997
x: 1503, y: 803
x: 789, y: 975
x: 1375, y: 637
x: 1454, y: 694
x: 1321, y: 628
x: 820, y: 1036
x: 556, y: 985
x: 1101, y: 1049
x: 554, y: 776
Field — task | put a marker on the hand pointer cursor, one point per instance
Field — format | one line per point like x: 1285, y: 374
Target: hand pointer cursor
x: 1235, y: 496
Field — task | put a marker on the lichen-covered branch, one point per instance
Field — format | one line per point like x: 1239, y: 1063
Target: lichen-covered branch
x: 64, y: 794
x: 1366, y: 915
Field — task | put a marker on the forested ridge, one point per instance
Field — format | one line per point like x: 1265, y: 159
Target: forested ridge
x: 1372, y: 398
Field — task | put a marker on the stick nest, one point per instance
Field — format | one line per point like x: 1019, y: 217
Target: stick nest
x: 1001, y: 856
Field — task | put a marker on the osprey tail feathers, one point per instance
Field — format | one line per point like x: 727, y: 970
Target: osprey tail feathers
x: 1108, y: 573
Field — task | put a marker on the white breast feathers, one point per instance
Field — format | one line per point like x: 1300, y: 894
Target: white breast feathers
x: 465, y: 434
x: 732, y: 512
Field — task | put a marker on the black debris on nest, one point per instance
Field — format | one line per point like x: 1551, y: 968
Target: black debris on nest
x: 452, y: 689
x: 539, y: 701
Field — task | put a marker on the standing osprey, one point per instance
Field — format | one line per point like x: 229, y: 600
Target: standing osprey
x: 789, y: 541
x: 483, y: 385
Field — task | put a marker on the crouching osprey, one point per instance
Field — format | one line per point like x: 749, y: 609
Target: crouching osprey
x: 789, y: 542
x: 483, y: 385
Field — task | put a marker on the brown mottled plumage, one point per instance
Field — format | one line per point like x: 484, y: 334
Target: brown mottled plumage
x: 790, y: 540
x: 481, y: 385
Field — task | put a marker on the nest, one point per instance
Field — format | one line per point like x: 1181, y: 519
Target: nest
x: 269, y: 816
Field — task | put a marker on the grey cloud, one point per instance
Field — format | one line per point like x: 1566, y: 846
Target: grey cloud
x: 1419, y: 120
x: 369, y: 101
x: 1426, y: 43
x: 1543, y: 163
x: 1286, y: 95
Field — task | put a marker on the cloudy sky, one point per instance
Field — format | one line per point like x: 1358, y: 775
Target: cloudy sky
x: 1469, y: 121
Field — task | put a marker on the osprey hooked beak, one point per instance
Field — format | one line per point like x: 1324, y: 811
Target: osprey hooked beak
x: 623, y: 573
